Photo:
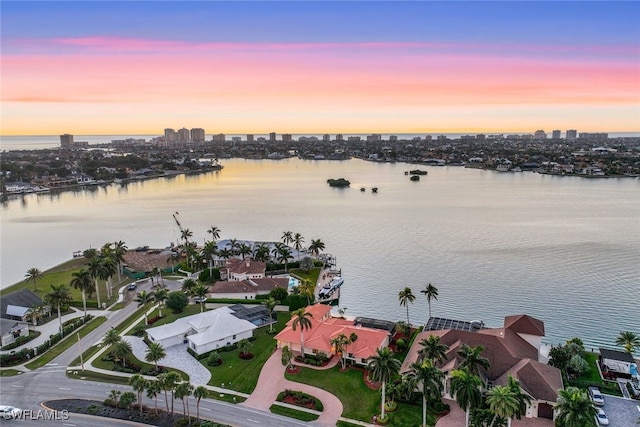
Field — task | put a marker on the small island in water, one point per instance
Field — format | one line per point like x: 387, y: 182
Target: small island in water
x: 340, y: 182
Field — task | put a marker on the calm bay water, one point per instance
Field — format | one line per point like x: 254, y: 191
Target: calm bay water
x: 565, y: 250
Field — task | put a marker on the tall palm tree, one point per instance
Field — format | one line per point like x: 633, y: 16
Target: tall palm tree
x: 119, y: 250
x: 473, y: 361
x: 201, y: 292
x: 143, y: 298
x: 431, y: 293
x: 433, y: 349
x: 523, y: 399
x: 629, y: 340
x: 383, y: 366
x: 283, y: 253
x: 316, y: 247
x: 307, y: 289
x: 303, y: 319
x: 107, y: 270
x: 185, y: 235
x: 287, y: 237
x: 139, y: 385
x: 111, y: 337
x: 159, y: 297
x: 58, y: 297
x: 153, y: 389
x: 233, y: 245
x: 95, y: 267
x: 466, y: 389
x: 215, y: 233
x: 340, y: 344
x: 121, y: 350
x: 182, y: 391
x: 271, y: 304
x: 82, y: 280
x: 503, y: 402
x: 405, y: 297
x: 155, y: 352
x: 298, y: 240
x: 244, y: 250
x: 430, y: 379
x: 172, y: 380
x: 35, y: 313
x: 188, y: 286
x: 225, y: 253
x: 199, y: 392
x: 33, y: 275
x: 261, y: 253
x: 173, y: 260
x: 208, y: 251
x: 574, y: 408
x: 166, y: 383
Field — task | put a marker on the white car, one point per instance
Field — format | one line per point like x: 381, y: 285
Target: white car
x: 602, y: 418
x: 596, y: 396
x: 9, y: 412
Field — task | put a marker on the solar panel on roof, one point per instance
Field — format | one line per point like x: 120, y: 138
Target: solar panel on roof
x: 439, y: 324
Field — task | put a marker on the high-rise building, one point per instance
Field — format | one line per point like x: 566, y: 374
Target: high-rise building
x: 236, y: 139
x: 249, y: 137
x: 374, y: 137
x: 555, y: 134
x: 218, y: 138
x: 272, y: 137
x: 326, y: 137
x: 339, y: 137
x: 170, y: 135
x: 184, y: 135
x: 393, y: 138
x: 572, y: 134
x: 286, y: 137
x: 540, y: 134
x: 66, y: 141
x: 197, y: 135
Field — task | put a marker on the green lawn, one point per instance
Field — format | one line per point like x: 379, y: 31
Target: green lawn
x: 66, y: 343
x: 311, y: 275
x: 9, y: 372
x: 107, y: 365
x: 293, y: 413
x: 242, y: 375
x: 169, y: 316
x: 592, y: 378
x: 358, y: 400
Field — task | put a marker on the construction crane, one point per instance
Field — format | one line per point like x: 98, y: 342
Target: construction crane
x: 178, y: 222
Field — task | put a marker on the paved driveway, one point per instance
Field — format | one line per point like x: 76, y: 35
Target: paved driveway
x: 177, y: 357
x: 621, y: 412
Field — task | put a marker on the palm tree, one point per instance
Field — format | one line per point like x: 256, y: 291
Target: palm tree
x: 433, y: 349
x: 383, y: 367
x: 233, y: 245
x: 107, y: 269
x: 466, y: 389
x: 261, y: 253
x: 188, y: 286
x: 143, y: 298
x: 208, y: 251
x: 244, y: 345
x: 225, y: 253
x: 523, y: 399
x: 473, y: 361
x: 155, y: 352
x: 90, y: 253
x: 298, y: 240
x: 432, y: 293
x: 183, y: 391
x: 111, y: 337
x: 160, y: 296
x: 201, y: 292
x: 58, y: 297
x: 121, y: 350
x: 33, y: 274
x: 215, y: 233
x: 95, y: 267
x: 271, y: 304
x: 629, y: 340
x: 82, y: 280
x: 199, y: 392
x: 307, y: 289
x: 503, y: 402
x: 173, y: 260
x: 405, y: 297
x: 153, y: 389
x: 34, y: 313
x: 430, y: 378
x: 185, y: 235
x: 244, y: 250
x: 303, y: 319
x: 119, y: 249
x: 316, y: 247
x: 574, y: 408
x: 139, y: 385
x: 287, y: 237
x: 172, y: 380
x: 340, y: 344
x: 283, y: 253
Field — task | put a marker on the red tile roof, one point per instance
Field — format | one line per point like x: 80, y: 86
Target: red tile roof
x: 525, y: 324
x: 246, y: 266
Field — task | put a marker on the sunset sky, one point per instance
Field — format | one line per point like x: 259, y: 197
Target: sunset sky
x: 314, y: 67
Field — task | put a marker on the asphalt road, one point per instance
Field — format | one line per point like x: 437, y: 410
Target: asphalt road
x: 27, y: 391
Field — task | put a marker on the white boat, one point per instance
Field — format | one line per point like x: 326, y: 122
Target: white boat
x: 336, y: 282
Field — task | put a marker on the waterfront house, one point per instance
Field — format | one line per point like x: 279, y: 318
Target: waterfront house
x: 11, y: 330
x: 205, y: 331
x: 324, y: 328
x: 616, y: 361
x: 247, y: 289
x: 16, y: 305
x: 513, y: 350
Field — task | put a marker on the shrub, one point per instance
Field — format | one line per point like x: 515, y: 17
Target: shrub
x: 401, y: 344
x: 138, y: 330
x: 279, y: 294
x: 177, y: 301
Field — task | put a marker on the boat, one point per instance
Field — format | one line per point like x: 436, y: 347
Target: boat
x: 362, y: 189
x: 415, y: 178
x: 374, y: 190
x: 418, y: 172
x: 336, y: 282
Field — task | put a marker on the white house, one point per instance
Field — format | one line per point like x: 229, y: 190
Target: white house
x: 203, y: 331
x: 11, y: 330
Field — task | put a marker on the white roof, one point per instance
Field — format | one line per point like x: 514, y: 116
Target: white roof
x: 179, y: 327
x: 223, y: 325
x: 16, y: 310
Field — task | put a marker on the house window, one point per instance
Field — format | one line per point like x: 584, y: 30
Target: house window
x: 234, y: 337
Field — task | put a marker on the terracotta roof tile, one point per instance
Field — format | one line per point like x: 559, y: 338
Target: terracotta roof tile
x: 524, y: 324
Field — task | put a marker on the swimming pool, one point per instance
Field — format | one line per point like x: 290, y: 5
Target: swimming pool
x: 293, y: 282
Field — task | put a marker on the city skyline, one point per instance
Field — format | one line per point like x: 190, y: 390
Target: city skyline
x: 313, y: 67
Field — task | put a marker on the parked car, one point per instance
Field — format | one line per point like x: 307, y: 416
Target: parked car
x: 601, y: 417
x: 200, y: 299
x: 9, y: 412
x: 132, y: 286
x: 596, y: 396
